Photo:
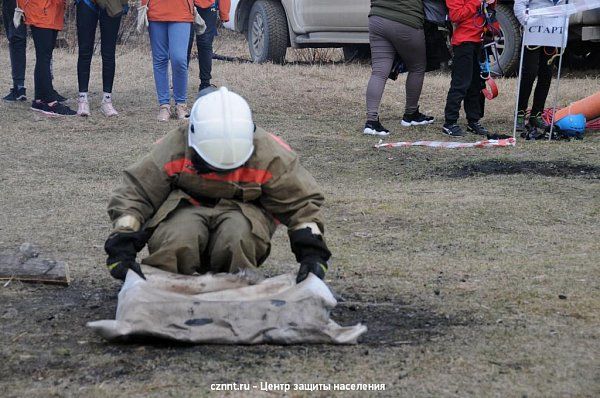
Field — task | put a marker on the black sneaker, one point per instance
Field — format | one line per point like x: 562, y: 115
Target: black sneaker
x: 453, y: 130
x: 16, y: 94
x: 375, y: 128
x: 477, y: 128
x: 59, y: 97
x: 57, y: 109
x: 416, y: 119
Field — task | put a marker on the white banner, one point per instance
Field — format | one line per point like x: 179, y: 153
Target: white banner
x: 573, y: 7
x: 546, y: 31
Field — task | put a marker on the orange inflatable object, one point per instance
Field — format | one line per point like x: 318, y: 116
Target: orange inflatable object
x: 589, y: 106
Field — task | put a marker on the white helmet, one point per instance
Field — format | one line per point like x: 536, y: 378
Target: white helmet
x: 221, y: 129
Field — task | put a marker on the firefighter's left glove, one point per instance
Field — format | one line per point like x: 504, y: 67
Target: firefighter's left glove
x: 122, y: 249
x: 314, y: 265
x: 311, y: 252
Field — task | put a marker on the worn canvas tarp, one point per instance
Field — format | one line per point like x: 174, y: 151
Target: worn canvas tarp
x: 226, y: 309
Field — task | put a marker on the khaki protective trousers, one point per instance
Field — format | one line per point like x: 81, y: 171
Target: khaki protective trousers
x: 203, y: 239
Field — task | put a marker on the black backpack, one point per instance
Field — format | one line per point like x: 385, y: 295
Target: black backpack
x: 436, y: 12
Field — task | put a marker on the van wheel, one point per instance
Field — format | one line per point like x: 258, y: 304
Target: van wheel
x: 509, y: 47
x: 267, y: 32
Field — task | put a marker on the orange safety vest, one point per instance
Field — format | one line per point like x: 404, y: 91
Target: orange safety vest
x: 170, y: 10
x: 48, y: 14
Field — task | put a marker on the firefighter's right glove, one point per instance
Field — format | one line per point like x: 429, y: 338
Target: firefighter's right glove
x: 122, y: 249
x: 311, y: 252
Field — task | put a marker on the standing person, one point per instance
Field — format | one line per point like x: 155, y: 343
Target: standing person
x: 45, y: 18
x: 466, y: 84
x: 209, y: 10
x: 396, y: 27
x: 206, y: 199
x: 17, y: 44
x: 89, y: 14
x: 169, y: 27
x: 535, y: 65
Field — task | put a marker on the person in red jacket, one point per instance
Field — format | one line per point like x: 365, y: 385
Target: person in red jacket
x: 470, y: 24
x: 45, y: 18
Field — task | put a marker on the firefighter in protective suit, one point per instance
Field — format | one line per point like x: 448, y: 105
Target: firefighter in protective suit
x: 209, y: 196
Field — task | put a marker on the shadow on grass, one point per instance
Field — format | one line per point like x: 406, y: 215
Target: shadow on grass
x: 562, y: 169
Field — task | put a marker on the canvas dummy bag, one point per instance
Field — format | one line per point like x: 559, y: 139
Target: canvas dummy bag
x: 225, y: 309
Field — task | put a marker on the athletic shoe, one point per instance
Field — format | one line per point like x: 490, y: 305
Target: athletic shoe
x: 477, y: 128
x: 416, y: 119
x: 537, y: 121
x: 83, y: 107
x: 39, y: 106
x: 453, y: 130
x: 55, y: 109
x: 182, y: 111
x: 204, y: 89
x: 375, y: 128
x: 59, y: 109
x: 521, y: 121
x: 59, y: 97
x: 16, y: 94
x: 164, y: 113
x: 203, y: 85
x: 108, y: 109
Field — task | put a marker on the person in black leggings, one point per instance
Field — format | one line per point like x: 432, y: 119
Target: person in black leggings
x: 210, y: 11
x: 45, y: 20
x: 17, y: 44
x: 88, y: 17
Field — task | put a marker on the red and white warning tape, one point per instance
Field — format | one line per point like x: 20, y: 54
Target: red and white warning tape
x: 452, y: 145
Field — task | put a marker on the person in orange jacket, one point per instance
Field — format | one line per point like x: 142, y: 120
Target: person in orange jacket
x: 210, y: 11
x: 45, y: 18
x: 170, y: 23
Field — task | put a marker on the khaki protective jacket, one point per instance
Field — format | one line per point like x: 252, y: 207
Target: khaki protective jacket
x: 271, y: 187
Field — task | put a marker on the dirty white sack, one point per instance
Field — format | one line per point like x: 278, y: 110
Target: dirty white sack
x: 226, y: 309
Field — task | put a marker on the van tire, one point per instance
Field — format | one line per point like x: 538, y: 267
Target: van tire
x: 267, y: 32
x: 511, y: 29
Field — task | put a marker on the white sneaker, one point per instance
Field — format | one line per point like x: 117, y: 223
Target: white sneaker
x: 107, y: 109
x: 182, y: 111
x: 164, y: 113
x: 83, y: 107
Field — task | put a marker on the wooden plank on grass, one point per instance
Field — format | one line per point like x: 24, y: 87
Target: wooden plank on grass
x: 34, y: 270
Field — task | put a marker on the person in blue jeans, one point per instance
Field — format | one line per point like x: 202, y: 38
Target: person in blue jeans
x: 169, y: 28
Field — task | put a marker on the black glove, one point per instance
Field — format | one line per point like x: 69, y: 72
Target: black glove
x: 122, y: 249
x: 311, y: 264
x: 311, y: 252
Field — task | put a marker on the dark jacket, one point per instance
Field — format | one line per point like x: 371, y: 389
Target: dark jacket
x: 408, y: 12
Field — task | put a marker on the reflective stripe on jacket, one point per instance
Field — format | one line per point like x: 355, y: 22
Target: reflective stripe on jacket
x: 272, y: 182
x: 47, y: 14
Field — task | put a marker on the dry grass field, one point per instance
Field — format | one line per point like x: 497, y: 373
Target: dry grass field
x: 455, y: 259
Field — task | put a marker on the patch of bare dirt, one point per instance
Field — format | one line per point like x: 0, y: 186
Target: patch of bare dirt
x: 484, y: 167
